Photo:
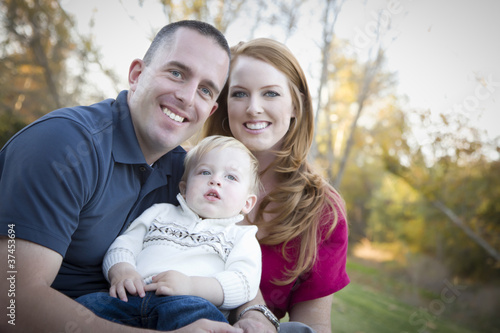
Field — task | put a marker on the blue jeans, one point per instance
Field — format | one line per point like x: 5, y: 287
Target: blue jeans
x: 164, y: 313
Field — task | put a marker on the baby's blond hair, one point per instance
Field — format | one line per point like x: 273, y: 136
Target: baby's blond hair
x: 221, y: 142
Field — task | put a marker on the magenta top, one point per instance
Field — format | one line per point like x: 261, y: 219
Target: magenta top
x: 327, y: 276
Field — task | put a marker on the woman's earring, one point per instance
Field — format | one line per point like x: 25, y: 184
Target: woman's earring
x: 223, y: 128
x: 293, y: 125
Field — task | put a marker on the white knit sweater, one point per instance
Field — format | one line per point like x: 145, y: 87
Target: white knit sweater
x: 167, y: 237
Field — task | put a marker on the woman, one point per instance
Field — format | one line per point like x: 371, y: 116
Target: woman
x: 301, y: 220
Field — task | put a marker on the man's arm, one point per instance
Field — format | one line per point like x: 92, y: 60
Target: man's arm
x: 40, y: 308
x: 253, y: 321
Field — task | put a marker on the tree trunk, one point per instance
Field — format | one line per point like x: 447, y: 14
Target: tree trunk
x: 328, y: 33
x: 370, y: 72
x: 472, y: 235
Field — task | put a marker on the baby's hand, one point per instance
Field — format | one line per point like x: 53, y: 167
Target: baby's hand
x: 170, y: 283
x: 124, y: 278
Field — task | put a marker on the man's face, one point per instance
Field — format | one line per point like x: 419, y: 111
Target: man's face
x: 173, y: 96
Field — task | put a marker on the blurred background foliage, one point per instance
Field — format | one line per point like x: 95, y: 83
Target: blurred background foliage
x: 437, y: 198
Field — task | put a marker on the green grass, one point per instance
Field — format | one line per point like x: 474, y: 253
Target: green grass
x: 373, y: 303
x: 359, y: 308
x: 369, y: 304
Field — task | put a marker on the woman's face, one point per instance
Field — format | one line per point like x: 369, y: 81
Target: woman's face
x: 259, y: 104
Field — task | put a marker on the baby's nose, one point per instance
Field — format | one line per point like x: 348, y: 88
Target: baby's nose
x: 215, y: 182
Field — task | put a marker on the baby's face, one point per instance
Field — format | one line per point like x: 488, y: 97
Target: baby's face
x: 219, y: 185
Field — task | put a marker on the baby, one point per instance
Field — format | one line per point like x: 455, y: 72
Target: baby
x: 195, y: 248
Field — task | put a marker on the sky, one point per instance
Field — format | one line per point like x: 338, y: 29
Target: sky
x: 445, y: 53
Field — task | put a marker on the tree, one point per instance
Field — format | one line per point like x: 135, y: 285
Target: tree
x: 371, y: 83
x: 219, y: 12
x: 331, y: 13
x: 354, y: 88
x: 353, y: 84
x: 453, y: 174
x: 38, y: 40
x: 35, y: 45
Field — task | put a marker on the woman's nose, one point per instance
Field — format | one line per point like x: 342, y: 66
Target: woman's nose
x: 254, y: 107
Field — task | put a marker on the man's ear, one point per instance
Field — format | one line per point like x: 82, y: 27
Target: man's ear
x: 136, y: 68
x: 249, y: 204
x: 216, y: 105
x: 182, y: 188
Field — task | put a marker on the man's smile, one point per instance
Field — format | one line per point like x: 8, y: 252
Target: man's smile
x: 172, y: 115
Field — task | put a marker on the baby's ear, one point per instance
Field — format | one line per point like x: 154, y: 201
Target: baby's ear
x: 249, y: 204
x: 182, y: 188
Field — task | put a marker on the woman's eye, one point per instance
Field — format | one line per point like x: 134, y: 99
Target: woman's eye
x: 238, y: 94
x: 271, y: 94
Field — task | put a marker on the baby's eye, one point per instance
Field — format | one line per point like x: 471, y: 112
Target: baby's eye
x: 205, y: 173
x: 231, y: 177
x: 271, y: 94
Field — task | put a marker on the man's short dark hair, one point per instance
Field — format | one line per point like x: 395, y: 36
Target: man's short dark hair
x: 166, y: 33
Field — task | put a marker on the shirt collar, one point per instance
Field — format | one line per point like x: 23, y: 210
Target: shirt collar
x: 126, y: 147
x: 224, y: 222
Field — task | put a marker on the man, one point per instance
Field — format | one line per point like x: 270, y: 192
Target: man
x: 73, y: 180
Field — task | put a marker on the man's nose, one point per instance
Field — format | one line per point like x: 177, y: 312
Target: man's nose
x: 187, y: 92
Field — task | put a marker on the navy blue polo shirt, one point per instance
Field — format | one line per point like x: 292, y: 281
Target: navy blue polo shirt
x: 73, y: 180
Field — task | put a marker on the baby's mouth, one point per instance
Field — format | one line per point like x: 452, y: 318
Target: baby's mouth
x: 213, y: 194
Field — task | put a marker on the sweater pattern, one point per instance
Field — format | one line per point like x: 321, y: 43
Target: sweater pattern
x: 159, y: 233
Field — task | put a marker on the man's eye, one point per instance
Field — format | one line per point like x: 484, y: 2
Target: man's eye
x: 176, y: 73
x: 206, y: 91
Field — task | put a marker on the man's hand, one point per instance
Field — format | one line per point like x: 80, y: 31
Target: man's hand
x: 124, y: 278
x: 208, y: 326
x: 255, y: 322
